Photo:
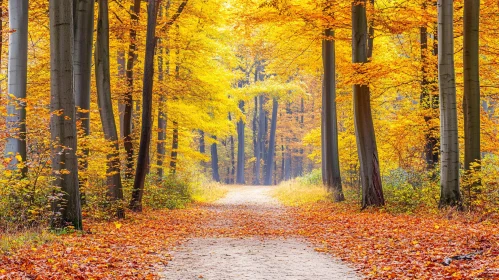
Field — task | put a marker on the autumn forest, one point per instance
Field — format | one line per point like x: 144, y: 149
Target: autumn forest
x: 171, y: 139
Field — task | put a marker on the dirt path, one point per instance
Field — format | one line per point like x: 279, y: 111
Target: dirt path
x: 251, y: 238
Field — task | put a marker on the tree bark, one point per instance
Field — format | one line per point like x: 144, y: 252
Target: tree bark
x: 214, y: 161
x: 128, y: 99
x: 332, y: 176
x: 372, y: 191
x: 471, y: 100
x: 17, y: 78
x: 84, y: 32
x: 146, y: 131
x: 271, y: 151
x: 63, y: 115
x: 240, y: 148
x: 103, y: 78
x: 449, y: 167
x: 232, y: 157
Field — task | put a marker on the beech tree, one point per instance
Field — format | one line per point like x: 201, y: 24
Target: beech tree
x: 471, y: 100
x: 372, y: 191
x: 103, y: 77
x: 449, y: 142
x: 270, y: 163
x: 67, y: 208
x: 330, y: 159
x: 18, y: 60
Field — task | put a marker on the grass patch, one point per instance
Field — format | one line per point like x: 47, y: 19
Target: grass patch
x: 209, y: 192
x: 294, y: 193
x: 11, y: 242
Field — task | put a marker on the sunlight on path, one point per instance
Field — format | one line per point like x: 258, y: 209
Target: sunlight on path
x: 253, y: 257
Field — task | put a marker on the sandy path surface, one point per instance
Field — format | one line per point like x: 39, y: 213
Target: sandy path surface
x: 227, y: 254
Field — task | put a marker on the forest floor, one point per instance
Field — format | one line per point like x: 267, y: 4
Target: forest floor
x: 252, y: 237
x: 248, y: 234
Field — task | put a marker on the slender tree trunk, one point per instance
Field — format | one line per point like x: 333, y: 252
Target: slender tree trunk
x: 128, y: 99
x: 122, y: 77
x: 146, y: 132
x: 162, y: 118
x: 449, y: 168
x: 84, y: 32
x: 174, y: 153
x: 372, y: 191
x: 232, y: 157
x: 63, y: 117
x: 271, y: 151
x: 427, y: 102
x: 471, y: 100
x: 240, y: 148
x: 332, y: 178
x: 103, y: 78
x: 18, y: 60
x: 214, y: 160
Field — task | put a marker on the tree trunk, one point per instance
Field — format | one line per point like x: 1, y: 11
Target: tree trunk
x: 471, y: 100
x: 146, y: 131
x: 449, y: 168
x: 240, y: 148
x: 63, y: 115
x: 103, y: 78
x: 164, y: 57
x: 162, y: 118
x: 17, y: 78
x: 84, y: 32
x: 174, y: 153
x: 128, y: 99
x: 332, y: 176
x: 214, y: 160
x: 271, y: 151
x: 427, y: 102
x: 372, y: 191
x: 232, y: 157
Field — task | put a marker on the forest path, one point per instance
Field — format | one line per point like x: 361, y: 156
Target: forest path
x: 251, y: 236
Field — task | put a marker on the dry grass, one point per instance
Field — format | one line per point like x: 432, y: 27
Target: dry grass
x: 292, y: 193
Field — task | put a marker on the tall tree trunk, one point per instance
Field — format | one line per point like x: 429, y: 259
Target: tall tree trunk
x: 18, y: 61
x: 449, y: 168
x: 240, y: 148
x: 162, y: 118
x: 372, y: 191
x: 471, y: 100
x: 332, y: 176
x: 269, y: 167
x: 63, y: 115
x: 128, y: 99
x: 214, y: 161
x: 103, y: 78
x: 84, y: 32
x: 146, y: 131
x: 163, y: 58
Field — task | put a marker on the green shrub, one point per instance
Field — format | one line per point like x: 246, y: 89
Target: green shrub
x: 171, y: 193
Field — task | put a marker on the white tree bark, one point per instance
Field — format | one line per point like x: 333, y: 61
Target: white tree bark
x: 63, y: 114
x: 449, y: 169
x: 18, y: 59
